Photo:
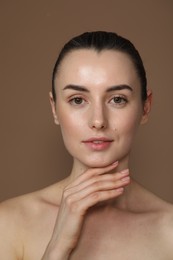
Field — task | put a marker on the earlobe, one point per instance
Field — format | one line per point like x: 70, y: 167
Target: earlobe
x: 53, y: 107
x: 147, y: 107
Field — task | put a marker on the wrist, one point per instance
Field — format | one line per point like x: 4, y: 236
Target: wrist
x: 56, y: 251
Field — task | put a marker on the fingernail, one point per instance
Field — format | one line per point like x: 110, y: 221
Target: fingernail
x: 115, y: 163
x: 126, y: 179
x: 120, y: 190
x: 125, y: 171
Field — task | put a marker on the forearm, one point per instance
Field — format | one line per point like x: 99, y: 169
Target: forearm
x: 57, y: 252
x: 57, y: 256
x: 77, y: 198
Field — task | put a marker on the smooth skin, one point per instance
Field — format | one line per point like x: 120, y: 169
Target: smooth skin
x: 99, y: 211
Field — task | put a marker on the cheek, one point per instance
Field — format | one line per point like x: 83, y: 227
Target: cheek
x: 70, y: 120
x: 71, y: 126
x: 128, y: 121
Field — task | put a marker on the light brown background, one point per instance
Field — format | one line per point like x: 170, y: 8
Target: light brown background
x: 32, y: 32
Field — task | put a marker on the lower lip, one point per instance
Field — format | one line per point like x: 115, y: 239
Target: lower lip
x: 98, y: 146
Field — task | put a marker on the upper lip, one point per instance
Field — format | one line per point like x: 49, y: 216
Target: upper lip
x: 103, y: 139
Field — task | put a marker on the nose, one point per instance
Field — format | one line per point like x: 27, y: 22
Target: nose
x: 98, y: 119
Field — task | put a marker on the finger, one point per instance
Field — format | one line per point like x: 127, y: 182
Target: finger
x: 95, y: 198
x: 102, y: 178
x: 92, y: 172
x: 96, y: 187
x: 96, y: 180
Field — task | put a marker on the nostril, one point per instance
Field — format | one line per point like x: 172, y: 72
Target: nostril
x: 98, y: 125
x: 98, y: 118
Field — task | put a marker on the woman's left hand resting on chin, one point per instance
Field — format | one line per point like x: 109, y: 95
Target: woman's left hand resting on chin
x: 93, y: 186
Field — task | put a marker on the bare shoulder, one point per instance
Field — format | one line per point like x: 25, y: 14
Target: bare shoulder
x: 165, y: 227
x: 161, y: 214
x: 11, y: 212
x: 165, y: 213
x: 20, y: 217
x: 166, y: 219
x: 31, y: 204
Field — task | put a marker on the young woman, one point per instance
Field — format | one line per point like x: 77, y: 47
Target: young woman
x: 99, y: 99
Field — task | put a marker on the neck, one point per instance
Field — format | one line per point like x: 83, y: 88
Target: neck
x: 121, y: 202
x: 80, y: 168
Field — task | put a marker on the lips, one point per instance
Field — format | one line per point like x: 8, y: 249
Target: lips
x: 98, y: 143
x: 98, y: 139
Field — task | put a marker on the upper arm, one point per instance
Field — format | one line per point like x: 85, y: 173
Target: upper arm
x: 9, y: 236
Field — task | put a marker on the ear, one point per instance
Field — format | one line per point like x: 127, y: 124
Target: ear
x: 147, y: 107
x: 53, y: 106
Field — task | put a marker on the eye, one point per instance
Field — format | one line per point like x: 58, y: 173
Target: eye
x: 76, y: 101
x: 119, y: 100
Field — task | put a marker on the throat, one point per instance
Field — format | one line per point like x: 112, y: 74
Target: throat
x: 121, y: 203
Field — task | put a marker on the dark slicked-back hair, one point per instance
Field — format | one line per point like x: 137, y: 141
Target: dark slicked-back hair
x: 99, y: 41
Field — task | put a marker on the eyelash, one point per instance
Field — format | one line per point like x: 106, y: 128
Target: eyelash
x: 72, y: 100
x: 121, y: 100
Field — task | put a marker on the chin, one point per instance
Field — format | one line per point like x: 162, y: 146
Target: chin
x: 99, y: 163
x: 103, y: 161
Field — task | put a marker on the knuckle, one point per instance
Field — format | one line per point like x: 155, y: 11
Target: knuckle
x: 117, y: 176
x: 95, y: 197
x: 76, y: 207
x: 65, y: 193
x: 69, y: 201
x: 96, y: 185
x: 72, y: 204
x: 118, y: 184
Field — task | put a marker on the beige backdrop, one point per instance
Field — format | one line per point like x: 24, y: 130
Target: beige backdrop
x: 32, y: 33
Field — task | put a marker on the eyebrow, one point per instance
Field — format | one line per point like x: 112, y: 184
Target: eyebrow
x: 84, y: 89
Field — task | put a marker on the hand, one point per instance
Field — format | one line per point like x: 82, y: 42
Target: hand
x: 93, y: 186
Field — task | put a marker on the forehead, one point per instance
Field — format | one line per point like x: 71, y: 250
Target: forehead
x: 86, y: 66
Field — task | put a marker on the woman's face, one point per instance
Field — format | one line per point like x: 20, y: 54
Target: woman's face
x: 98, y: 106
